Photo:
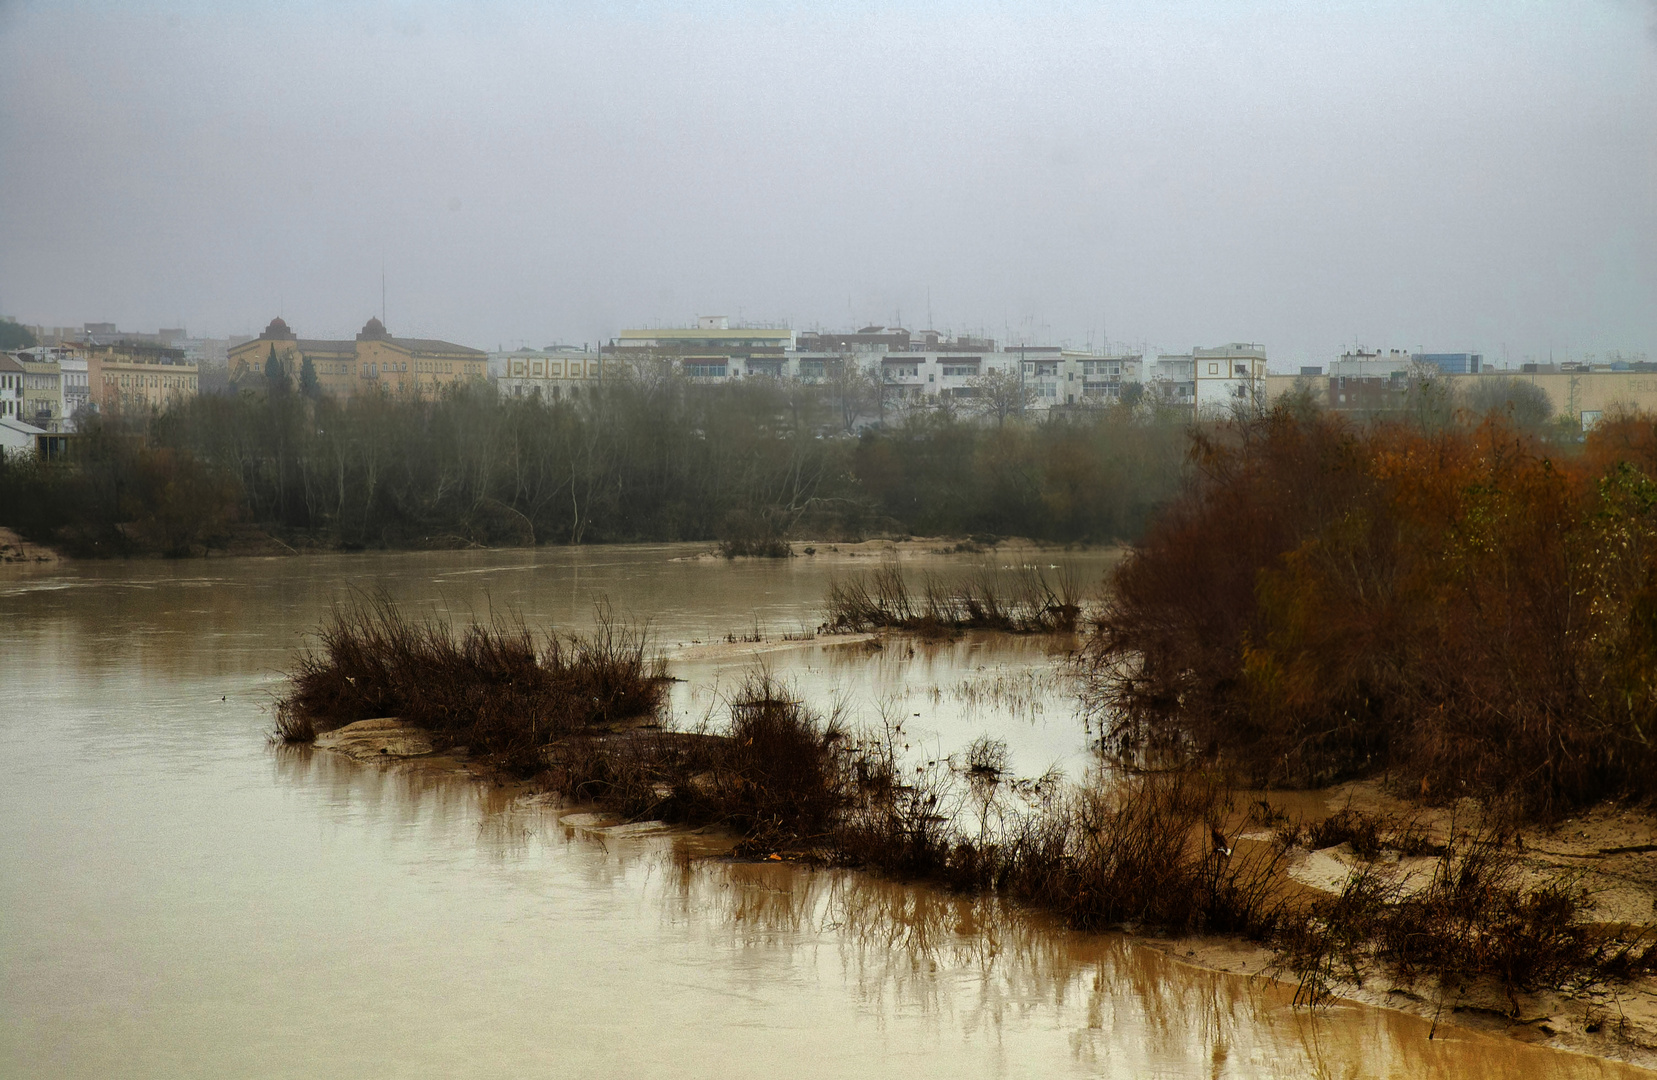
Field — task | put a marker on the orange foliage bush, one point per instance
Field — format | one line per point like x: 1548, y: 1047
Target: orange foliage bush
x: 1466, y: 608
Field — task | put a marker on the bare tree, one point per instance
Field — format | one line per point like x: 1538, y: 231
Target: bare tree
x: 1001, y: 394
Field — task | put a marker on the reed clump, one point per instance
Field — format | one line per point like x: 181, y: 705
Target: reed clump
x: 292, y: 728
x: 498, y: 689
x: 1025, y: 600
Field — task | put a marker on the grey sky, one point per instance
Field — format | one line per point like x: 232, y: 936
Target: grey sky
x: 1307, y: 175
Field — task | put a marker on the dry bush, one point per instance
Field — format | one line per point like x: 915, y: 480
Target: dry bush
x: 1476, y: 920
x: 496, y: 689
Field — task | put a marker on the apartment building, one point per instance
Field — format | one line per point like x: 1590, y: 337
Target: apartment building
x: 127, y: 375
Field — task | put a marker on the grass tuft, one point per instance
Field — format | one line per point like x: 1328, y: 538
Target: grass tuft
x: 1028, y: 600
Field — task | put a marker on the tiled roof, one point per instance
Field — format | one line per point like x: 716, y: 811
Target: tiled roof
x: 431, y: 345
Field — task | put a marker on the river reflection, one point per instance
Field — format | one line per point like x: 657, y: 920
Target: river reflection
x: 179, y: 899
x: 947, y: 968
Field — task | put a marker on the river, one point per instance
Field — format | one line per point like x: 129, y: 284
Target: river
x: 179, y: 899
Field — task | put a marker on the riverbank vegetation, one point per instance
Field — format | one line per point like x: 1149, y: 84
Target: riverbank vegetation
x: 633, y: 459
x: 1464, y: 609
x: 497, y: 689
x: 1158, y: 851
x: 1168, y: 850
x: 1025, y: 600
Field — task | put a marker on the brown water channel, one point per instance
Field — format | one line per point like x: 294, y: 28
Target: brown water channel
x: 178, y: 899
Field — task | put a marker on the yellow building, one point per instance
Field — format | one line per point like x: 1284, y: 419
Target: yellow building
x: 129, y: 375
x: 343, y: 368
x: 42, y: 391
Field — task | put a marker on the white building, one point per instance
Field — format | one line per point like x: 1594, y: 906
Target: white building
x: 1230, y: 378
x: 77, y: 389
x: 17, y: 439
x: 11, y: 388
x: 1173, y: 380
x: 553, y: 373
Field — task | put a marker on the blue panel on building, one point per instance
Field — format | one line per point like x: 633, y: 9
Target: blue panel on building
x: 1458, y: 363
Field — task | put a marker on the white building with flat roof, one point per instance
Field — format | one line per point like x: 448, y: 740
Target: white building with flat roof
x: 553, y: 373
x: 1230, y: 378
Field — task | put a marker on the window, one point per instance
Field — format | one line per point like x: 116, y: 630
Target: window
x: 1213, y: 369
x: 701, y: 371
x: 959, y: 370
x: 898, y: 371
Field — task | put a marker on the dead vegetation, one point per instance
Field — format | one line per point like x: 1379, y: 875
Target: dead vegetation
x: 499, y: 689
x: 1471, y: 917
x: 1026, y: 600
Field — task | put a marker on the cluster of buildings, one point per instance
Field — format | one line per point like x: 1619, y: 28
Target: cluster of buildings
x: 1378, y: 382
x: 911, y: 369
x: 97, y: 368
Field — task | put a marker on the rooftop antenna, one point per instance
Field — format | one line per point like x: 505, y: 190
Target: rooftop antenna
x: 382, y: 290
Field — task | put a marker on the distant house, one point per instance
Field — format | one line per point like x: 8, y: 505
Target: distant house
x: 18, y: 439
x: 374, y: 360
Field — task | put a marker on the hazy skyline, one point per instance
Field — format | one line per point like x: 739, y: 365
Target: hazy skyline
x: 1473, y: 176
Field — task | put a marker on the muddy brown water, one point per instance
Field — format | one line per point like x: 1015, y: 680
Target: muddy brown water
x: 178, y: 899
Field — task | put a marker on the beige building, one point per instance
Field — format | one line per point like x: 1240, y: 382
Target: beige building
x: 343, y: 368
x: 1582, y: 395
x: 42, y: 391
x: 129, y: 375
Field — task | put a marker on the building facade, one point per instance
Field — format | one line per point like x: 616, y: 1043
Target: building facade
x: 552, y: 374
x: 1229, y: 378
x: 374, y: 361
x: 11, y: 388
x: 42, y: 391
x: 124, y: 376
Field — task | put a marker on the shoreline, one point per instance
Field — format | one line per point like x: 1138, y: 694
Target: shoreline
x: 253, y: 542
x: 1613, y: 847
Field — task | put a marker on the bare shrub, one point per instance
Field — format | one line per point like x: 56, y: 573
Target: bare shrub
x: 498, y: 689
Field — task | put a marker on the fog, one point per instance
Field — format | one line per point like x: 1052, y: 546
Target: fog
x: 1306, y: 175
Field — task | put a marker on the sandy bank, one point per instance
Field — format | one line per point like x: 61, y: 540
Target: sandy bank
x: 915, y: 548
x: 15, y: 549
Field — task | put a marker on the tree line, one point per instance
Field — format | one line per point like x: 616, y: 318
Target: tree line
x: 632, y: 459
